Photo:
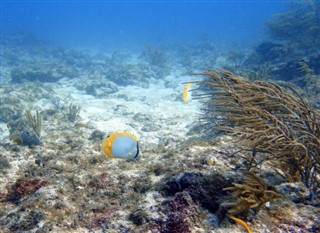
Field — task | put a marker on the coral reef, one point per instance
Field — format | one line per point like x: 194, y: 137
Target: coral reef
x: 279, y: 61
x: 291, y: 52
x: 303, y: 17
x: 63, y: 183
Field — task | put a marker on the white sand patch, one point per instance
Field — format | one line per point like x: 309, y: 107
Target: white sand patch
x: 161, y: 109
x: 4, y: 132
x: 114, y: 125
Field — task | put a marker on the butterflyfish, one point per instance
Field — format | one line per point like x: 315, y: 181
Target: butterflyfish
x: 121, y: 145
x: 185, y: 92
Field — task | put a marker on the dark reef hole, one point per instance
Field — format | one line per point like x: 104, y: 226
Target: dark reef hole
x: 206, y: 190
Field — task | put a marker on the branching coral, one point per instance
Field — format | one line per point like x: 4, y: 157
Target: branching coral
x: 278, y: 125
x: 34, y: 121
x: 73, y: 112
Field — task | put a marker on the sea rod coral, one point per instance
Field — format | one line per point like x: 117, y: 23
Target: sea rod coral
x: 281, y: 129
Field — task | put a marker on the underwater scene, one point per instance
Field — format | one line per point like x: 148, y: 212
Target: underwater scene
x: 160, y: 116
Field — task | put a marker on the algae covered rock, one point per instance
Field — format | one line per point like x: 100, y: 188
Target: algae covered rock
x: 294, y: 69
x: 8, y: 113
x: 10, y: 107
x: 101, y: 89
x: 203, y: 189
x: 45, y: 73
x: 4, y: 163
x: 130, y: 74
x: 269, y: 51
x: 15, y: 98
x: 19, y: 76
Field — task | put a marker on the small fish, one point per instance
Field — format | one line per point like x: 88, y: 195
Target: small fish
x: 242, y: 223
x: 88, y: 125
x: 81, y: 125
x: 185, y: 92
x: 121, y: 145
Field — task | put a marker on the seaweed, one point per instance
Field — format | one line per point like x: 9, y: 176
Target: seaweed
x: 280, y: 128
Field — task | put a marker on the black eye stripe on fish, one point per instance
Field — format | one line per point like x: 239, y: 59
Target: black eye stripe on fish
x: 137, y: 151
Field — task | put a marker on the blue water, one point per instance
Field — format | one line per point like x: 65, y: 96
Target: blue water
x: 134, y: 24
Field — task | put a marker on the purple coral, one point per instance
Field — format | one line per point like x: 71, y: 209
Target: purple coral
x: 175, y: 223
x: 179, y: 209
x: 23, y: 187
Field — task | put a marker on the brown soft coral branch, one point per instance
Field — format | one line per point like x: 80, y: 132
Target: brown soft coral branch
x: 252, y: 194
x: 274, y: 120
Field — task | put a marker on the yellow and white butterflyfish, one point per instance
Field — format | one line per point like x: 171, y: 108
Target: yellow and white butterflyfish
x: 185, y: 92
x: 121, y: 145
